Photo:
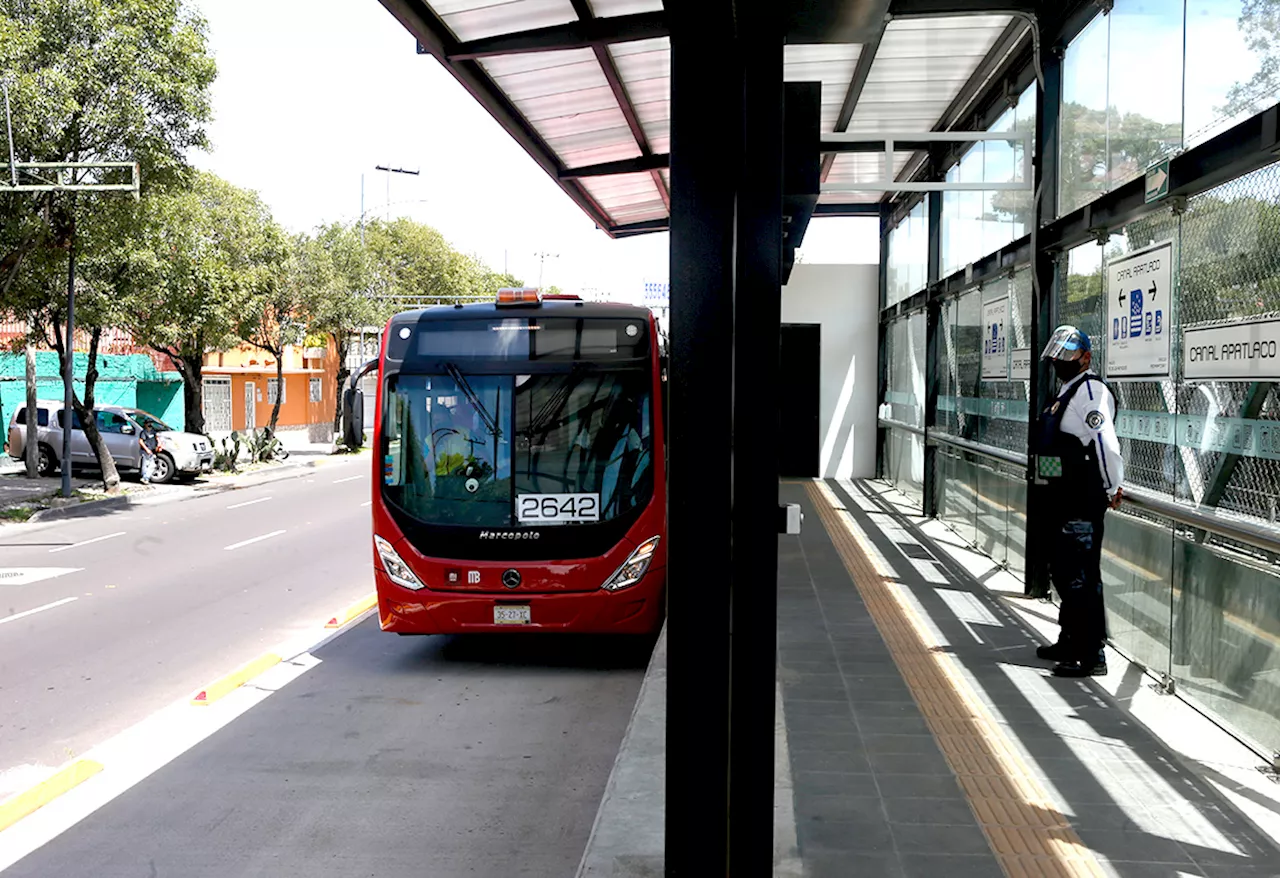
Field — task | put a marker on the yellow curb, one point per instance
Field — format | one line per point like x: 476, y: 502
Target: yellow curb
x: 365, y: 603
x: 46, y: 791
x: 235, y: 680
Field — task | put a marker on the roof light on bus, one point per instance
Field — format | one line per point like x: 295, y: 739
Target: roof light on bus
x: 520, y: 296
x: 634, y: 569
x: 399, y: 572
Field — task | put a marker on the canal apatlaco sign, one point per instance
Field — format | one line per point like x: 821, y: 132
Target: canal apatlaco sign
x: 1139, y: 294
x: 1244, y: 351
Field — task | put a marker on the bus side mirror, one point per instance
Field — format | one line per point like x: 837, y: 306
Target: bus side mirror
x: 353, y: 417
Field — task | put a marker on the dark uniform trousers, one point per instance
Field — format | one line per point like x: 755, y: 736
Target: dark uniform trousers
x: 1075, y: 567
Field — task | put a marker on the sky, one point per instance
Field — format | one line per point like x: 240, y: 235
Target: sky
x: 311, y: 95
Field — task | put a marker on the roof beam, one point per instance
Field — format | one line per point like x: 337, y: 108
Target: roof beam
x: 929, y: 8
x: 417, y: 18
x: 582, y: 34
x: 866, y: 58
x: 858, y: 208
x: 624, y: 166
x: 644, y: 227
x: 619, y: 89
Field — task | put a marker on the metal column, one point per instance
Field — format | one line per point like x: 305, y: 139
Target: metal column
x: 757, y: 319
x: 706, y: 131
x: 929, y: 503
x: 1045, y: 281
x: 882, y: 338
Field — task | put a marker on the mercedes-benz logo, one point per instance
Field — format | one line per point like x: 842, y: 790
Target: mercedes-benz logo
x: 511, y: 578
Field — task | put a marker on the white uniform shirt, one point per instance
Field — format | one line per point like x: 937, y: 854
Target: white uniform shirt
x: 1091, y: 417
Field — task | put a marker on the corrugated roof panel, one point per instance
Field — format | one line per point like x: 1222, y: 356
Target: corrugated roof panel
x: 832, y: 65
x: 920, y: 67
x: 565, y: 97
x: 627, y: 198
x: 645, y: 69
x: 475, y: 19
x: 610, y: 8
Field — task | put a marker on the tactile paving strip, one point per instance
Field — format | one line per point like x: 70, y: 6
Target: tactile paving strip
x: 1028, y: 835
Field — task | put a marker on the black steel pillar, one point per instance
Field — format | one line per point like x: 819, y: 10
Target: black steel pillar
x: 706, y: 132
x: 882, y: 345
x: 757, y: 318
x: 932, y: 349
x: 1045, y: 282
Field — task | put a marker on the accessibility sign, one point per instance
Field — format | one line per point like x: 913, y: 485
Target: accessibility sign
x: 1245, y: 351
x: 1158, y: 181
x: 995, y: 340
x: 1139, y: 297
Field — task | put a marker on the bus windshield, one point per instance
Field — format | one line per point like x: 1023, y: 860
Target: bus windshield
x: 564, y: 448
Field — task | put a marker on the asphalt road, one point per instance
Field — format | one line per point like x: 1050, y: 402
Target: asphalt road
x: 161, y: 607
x: 392, y: 756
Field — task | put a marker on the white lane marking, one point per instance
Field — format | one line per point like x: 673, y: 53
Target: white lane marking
x: 274, y: 533
x: 17, y: 616
x: 28, y: 575
x: 347, y: 479
x: 366, y: 503
x: 248, y: 502
x: 87, y: 542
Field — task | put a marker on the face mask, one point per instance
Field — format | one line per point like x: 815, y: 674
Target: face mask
x: 1066, y: 370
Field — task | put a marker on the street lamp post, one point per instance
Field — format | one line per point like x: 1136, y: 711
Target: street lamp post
x: 389, y: 171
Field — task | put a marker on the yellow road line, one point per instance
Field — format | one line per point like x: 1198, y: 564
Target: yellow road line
x: 24, y: 803
x: 1027, y: 833
x: 365, y: 603
x: 235, y: 679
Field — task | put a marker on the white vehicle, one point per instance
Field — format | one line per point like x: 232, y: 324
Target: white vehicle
x: 182, y: 455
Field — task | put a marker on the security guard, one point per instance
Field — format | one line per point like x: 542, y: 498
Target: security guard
x: 1079, y: 469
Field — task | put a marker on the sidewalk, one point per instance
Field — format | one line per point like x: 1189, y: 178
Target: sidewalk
x: 920, y: 736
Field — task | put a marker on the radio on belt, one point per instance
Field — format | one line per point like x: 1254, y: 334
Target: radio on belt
x: 790, y: 517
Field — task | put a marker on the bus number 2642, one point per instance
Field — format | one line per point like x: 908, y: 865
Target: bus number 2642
x: 557, y: 508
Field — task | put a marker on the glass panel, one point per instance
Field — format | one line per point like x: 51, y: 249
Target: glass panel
x: 1136, y: 572
x: 1230, y: 64
x: 1017, y: 527
x: 1084, y: 118
x: 992, y: 508
x: 1145, y: 93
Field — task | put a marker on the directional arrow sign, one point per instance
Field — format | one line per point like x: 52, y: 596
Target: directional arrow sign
x: 1158, y: 181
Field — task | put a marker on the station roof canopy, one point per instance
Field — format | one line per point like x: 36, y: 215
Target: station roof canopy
x: 584, y: 85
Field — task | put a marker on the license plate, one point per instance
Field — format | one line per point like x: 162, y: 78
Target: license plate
x: 510, y: 614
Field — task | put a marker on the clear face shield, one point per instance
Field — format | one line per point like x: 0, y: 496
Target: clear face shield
x: 1065, y: 350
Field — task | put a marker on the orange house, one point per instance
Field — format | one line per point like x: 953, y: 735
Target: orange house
x: 240, y: 388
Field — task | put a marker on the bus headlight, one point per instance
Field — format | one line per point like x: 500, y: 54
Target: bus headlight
x: 631, y: 571
x: 394, y: 565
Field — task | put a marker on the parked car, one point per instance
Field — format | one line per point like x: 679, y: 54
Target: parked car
x: 183, y: 455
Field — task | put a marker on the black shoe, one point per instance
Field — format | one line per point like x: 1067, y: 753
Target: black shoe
x: 1080, y: 669
x: 1053, y: 652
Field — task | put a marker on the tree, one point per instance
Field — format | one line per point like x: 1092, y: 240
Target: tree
x: 93, y: 81
x: 96, y: 81
x: 282, y: 313
x: 37, y: 290
x: 342, y: 305
x: 1260, y: 23
x: 202, y: 258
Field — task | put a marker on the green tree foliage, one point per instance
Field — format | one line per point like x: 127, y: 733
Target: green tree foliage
x: 341, y: 302
x: 1260, y: 24
x: 283, y: 306
x: 95, y: 81
x: 202, y: 258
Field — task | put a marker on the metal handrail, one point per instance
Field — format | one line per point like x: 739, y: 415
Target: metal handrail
x: 1001, y: 454
x: 1236, y: 529
x: 887, y: 423
x: 1211, y: 521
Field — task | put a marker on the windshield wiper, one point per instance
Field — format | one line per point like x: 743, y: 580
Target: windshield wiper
x: 465, y: 386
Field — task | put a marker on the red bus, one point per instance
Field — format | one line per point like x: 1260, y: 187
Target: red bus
x: 520, y: 472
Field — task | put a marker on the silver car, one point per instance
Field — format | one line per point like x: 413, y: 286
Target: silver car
x: 181, y: 455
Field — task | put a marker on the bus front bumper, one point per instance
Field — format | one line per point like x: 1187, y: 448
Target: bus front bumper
x: 634, y: 610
